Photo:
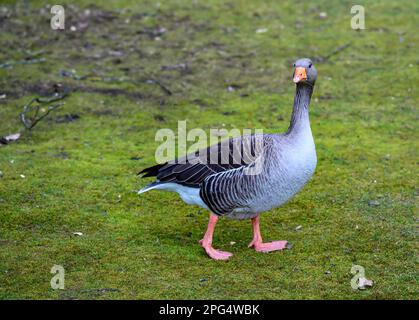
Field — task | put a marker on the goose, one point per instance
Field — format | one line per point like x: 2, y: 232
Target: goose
x: 242, y: 177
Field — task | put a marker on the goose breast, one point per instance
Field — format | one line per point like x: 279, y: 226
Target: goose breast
x: 288, y: 171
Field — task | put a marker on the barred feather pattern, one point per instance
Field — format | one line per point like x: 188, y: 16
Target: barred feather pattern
x: 192, y: 169
x: 223, y: 179
x: 236, y: 189
x: 288, y: 162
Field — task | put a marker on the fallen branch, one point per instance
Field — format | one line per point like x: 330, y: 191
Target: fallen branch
x: 11, y: 63
x: 30, y: 122
x: 92, y: 77
x: 165, y: 90
x: 333, y: 53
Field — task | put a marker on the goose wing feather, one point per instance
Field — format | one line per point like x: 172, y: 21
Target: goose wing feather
x: 192, y: 169
x: 235, y: 189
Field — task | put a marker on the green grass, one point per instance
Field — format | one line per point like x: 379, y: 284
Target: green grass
x: 79, y: 176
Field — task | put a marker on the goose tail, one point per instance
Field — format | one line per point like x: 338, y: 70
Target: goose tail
x: 151, y: 171
x: 149, y: 187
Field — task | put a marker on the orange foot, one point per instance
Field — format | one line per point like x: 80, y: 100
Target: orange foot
x: 214, y: 253
x: 268, y: 246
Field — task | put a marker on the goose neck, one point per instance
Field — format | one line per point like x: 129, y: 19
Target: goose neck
x: 299, y: 117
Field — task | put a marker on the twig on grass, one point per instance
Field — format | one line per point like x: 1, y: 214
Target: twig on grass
x: 11, y: 63
x: 334, y: 52
x: 93, y: 77
x: 164, y: 88
x: 30, y: 122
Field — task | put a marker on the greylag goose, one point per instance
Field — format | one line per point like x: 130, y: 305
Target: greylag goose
x: 241, y: 177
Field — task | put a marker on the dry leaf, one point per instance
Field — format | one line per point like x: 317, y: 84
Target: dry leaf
x: 323, y: 15
x: 9, y: 138
x: 12, y: 137
x: 262, y: 30
x: 363, y: 283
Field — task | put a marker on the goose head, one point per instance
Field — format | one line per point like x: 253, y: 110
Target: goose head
x: 304, y: 72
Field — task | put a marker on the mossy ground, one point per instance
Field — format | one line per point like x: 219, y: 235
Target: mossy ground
x: 80, y: 176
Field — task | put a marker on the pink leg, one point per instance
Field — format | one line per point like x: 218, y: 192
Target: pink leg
x: 257, y: 240
x: 206, y: 242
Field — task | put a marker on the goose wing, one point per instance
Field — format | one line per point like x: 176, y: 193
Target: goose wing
x: 236, y: 189
x: 192, y: 169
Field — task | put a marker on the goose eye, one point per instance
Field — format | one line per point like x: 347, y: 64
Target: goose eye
x: 310, y: 65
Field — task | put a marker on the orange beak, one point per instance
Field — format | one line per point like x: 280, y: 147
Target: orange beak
x: 299, y: 74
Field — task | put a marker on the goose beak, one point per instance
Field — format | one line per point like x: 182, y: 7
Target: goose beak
x: 299, y: 74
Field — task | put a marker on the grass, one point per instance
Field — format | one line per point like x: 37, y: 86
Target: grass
x: 359, y: 209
